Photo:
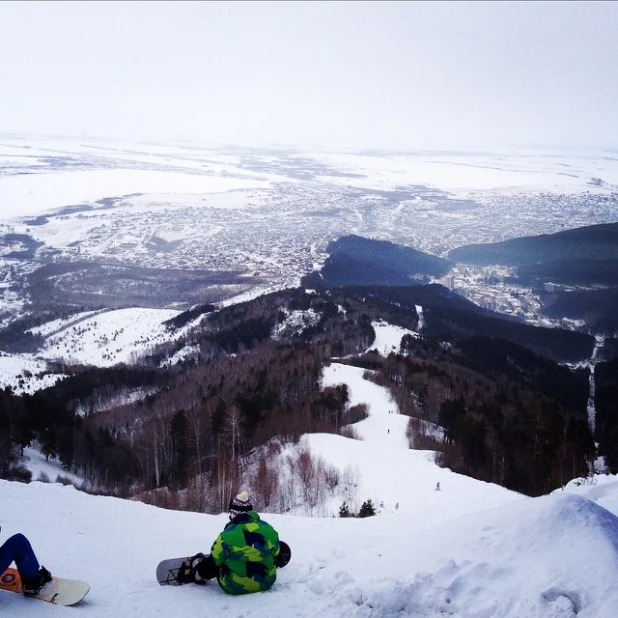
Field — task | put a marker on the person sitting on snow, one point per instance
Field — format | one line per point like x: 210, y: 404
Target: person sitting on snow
x: 245, y: 556
x: 33, y: 576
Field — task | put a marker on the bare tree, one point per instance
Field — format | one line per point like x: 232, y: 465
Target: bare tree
x: 197, y: 495
x: 231, y: 431
x: 227, y: 466
x: 350, y: 483
x: 287, y: 488
x: 310, y: 471
x: 226, y: 480
x: 266, y: 482
x: 331, y: 478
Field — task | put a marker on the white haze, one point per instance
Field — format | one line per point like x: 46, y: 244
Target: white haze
x: 341, y: 74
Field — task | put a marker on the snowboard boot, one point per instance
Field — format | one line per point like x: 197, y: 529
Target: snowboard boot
x: 187, y: 573
x: 31, y: 586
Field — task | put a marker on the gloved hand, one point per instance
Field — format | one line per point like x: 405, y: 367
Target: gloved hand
x: 205, y: 569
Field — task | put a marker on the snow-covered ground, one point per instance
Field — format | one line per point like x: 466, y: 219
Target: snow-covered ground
x: 470, y: 550
x: 99, y: 338
x: 24, y: 373
x: 33, y: 194
x: 463, y: 173
x: 106, y: 338
x: 88, y: 170
x: 42, y: 467
x: 388, y: 336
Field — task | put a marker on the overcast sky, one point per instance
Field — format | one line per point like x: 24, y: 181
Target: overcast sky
x: 402, y: 75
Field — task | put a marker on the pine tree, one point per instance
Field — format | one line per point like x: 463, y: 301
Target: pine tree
x: 344, y: 511
x: 367, y: 509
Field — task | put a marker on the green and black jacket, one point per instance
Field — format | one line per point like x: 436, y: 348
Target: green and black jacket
x: 245, y: 553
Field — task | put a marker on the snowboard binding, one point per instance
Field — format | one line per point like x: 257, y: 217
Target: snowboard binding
x: 187, y: 573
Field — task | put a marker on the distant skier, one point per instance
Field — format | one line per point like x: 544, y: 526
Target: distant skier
x: 437, y: 486
x: 33, y: 576
x: 245, y: 556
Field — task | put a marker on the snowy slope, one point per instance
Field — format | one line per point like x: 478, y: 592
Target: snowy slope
x: 470, y: 550
x: 41, y: 466
x: 100, y: 338
x: 24, y: 373
x: 554, y: 556
x: 389, y: 473
x: 106, y: 338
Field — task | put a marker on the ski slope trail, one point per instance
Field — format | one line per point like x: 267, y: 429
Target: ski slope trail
x: 384, y: 428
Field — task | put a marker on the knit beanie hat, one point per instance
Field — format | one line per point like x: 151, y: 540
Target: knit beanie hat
x: 241, y: 504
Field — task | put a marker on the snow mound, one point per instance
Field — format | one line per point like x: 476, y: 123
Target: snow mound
x: 538, y: 558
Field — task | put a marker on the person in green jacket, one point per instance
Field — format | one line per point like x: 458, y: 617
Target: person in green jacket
x: 245, y: 556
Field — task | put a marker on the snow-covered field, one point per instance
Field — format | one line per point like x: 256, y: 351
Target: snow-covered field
x: 465, y: 173
x: 32, y: 194
x: 470, y: 550
x: 388, y: 337
x: 32, y: 182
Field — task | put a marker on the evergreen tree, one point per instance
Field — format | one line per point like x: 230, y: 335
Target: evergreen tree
x: 367, y: 509
x: 344, y: 511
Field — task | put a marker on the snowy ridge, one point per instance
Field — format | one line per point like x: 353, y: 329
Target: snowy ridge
x: 55, y: 326
x: 100, y: 338
x: 107, y: 338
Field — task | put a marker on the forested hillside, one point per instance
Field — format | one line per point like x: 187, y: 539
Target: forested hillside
x: 253, y: 376
x: 606, y: 402
x: 354, y: 260
x: 594, y: 242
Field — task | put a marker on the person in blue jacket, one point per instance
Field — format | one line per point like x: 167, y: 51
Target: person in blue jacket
x: 33, y: 576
